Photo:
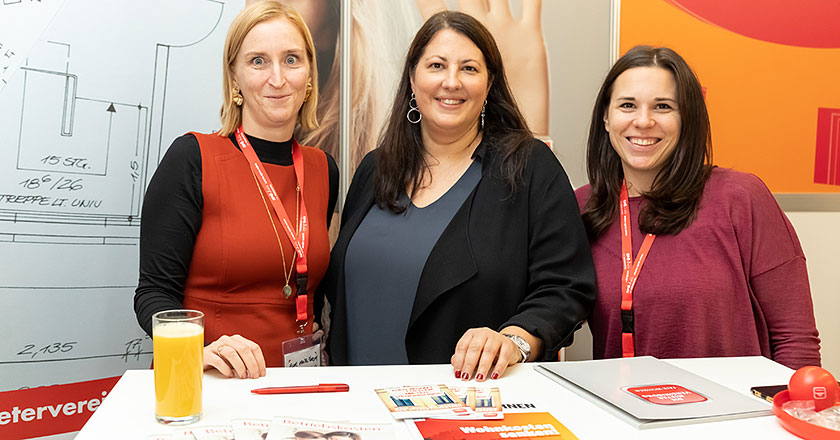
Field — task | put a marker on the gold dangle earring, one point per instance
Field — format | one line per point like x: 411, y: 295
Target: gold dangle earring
x: 237, y: 96
x: 308, y: 91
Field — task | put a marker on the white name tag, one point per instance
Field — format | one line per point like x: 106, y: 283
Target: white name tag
x: 304, y: 351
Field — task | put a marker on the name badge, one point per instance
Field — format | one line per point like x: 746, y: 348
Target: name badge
x: 303, y: 351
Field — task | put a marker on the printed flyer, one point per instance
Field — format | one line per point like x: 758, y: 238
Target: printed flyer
x: 534, y: 425
x: 181, y: 434
x: 422, y: 401
x: 213, y: 433
x: 286, y: 428
x: 250, y: 429
x: 483, y: 402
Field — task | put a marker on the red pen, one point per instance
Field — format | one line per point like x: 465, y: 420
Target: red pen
x: 296, y: 389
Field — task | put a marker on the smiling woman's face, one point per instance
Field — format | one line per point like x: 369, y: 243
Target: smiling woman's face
x: 643, y: 121
x: 450, y: 83
x: 272, y: 70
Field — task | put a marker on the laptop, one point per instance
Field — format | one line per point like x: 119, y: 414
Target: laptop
x: 648, y: 393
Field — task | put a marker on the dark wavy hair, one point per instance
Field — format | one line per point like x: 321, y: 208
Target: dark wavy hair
x: 675, y: 193
x: 400, y: 159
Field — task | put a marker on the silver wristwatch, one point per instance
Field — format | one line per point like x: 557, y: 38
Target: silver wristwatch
x: 524, y: 346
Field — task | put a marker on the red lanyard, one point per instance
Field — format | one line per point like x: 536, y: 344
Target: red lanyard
x: 630, y: 272
x: 300, y: 240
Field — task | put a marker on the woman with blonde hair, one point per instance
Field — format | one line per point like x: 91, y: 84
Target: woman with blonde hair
x: 230, y: 226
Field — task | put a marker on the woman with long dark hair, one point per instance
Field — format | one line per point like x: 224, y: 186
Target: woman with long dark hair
x: 460, y: 241
x: 692, y: 260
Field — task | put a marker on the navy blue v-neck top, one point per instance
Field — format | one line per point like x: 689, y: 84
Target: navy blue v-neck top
x: 383, y: 264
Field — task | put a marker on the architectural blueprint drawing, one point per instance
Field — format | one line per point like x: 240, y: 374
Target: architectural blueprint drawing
x: 87, y: 109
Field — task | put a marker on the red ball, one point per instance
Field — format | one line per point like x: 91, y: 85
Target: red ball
x: 817, y: 384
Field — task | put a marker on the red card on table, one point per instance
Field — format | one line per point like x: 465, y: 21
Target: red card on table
x: 666, y: 394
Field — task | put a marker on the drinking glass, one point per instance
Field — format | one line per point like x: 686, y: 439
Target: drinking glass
x: 178, y: 337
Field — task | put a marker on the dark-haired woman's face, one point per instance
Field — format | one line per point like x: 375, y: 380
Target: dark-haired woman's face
x: 643, y: 120
x: 450, y: 84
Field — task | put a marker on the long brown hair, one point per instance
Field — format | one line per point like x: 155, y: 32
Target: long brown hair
x: 400, y: 160
x: 675, y: 193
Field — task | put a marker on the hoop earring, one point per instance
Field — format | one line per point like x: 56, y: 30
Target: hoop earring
x: 413, y: 108
x: 483, y: 110
x: 237, y: 97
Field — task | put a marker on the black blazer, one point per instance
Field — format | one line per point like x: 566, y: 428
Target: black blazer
x: 503, y: 260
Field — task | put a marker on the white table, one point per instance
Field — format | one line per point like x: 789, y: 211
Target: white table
x: 128, y: 411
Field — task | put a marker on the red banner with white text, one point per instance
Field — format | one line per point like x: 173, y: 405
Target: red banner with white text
x: 56, y: 409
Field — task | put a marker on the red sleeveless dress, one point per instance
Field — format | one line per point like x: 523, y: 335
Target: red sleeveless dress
x: 236, y: 274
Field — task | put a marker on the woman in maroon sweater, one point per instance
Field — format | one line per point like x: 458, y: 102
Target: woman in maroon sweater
x: 692, y: 260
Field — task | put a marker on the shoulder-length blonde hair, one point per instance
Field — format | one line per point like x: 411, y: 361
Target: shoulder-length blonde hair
x: 249, y: 17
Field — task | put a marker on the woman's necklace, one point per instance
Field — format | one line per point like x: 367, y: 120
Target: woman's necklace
x: 287, y: 289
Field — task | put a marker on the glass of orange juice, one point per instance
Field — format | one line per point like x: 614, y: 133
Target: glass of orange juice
x: 178, y: 337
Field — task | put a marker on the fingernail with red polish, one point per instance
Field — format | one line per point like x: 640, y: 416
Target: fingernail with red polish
x: 465, y: 376
x: 457, y: 374
x: 495, y: 376
x: 479, y: 377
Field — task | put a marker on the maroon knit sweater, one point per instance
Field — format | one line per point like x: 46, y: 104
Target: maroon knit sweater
x: 733, y: 283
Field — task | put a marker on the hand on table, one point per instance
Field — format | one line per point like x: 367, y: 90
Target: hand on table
x: 483, y: 353
x: 522, y: 46
x: 235, y: 356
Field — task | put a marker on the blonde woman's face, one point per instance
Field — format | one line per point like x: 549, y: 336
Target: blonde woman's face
x: 272, y: 70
